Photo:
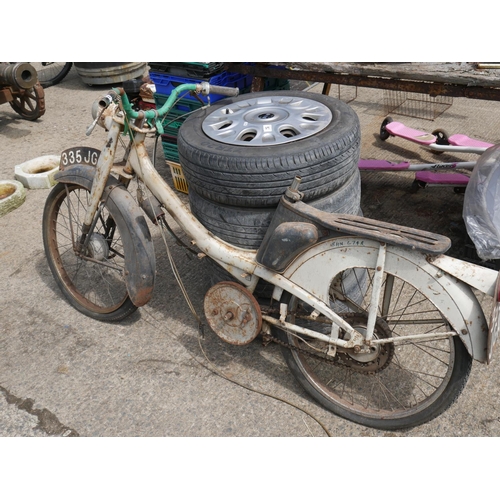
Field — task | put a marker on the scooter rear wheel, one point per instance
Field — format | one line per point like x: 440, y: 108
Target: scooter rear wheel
x: 93, y: 282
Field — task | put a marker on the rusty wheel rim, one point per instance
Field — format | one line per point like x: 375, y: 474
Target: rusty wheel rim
x: 400, y: 382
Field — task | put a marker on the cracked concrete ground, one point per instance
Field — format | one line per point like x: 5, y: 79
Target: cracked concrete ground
x: 62, y: 373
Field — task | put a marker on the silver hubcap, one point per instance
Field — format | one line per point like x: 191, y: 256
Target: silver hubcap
x: 267, y: 120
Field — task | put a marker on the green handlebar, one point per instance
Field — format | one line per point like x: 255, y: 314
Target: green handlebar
x: 151, y: 114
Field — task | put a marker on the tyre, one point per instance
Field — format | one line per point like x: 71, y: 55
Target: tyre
x: 51, y: 73
x: 245, y: 227
x: 247, y: 150
x: 94, y: 282
x: 389, y: 386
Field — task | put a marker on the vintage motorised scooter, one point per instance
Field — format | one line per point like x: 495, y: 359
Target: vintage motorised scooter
x: 375, y: 321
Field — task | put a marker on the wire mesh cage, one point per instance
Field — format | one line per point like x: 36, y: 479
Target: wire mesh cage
x: 415, y: 105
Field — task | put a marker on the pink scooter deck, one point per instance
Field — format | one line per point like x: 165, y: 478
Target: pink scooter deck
x: 464, y: 140
x: 434, y: 179
x: 383, y: 165
x: 398, y: 129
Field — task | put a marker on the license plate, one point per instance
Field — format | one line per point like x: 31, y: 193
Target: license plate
x: 82, y: 155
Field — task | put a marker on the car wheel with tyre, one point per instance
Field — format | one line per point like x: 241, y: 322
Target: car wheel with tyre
x: 246, y: 151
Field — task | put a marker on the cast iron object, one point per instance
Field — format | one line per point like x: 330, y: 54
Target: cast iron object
x: 20, y: 88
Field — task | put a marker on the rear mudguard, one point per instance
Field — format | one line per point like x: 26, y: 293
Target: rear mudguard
x: 315, y: 268
x: 140, y: 263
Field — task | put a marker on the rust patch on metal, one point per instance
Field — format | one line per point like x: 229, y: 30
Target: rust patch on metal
x: 233, y: 313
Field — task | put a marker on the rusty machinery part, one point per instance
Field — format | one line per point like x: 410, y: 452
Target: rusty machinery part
x: 18, y: 75
x: 373, y: 360
x: 233, y: 313
x: 29, y: 103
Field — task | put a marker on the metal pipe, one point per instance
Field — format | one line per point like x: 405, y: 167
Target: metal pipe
x: 377, y: 288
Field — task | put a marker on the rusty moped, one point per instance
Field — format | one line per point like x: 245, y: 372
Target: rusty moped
x: 374, y: 320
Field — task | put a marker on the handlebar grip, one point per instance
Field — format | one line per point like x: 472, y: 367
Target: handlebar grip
x: 228, y: 91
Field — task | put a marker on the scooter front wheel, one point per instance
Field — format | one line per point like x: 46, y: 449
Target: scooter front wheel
x: 91, y: 280
x: 388, y: 386
x: 384, y: 134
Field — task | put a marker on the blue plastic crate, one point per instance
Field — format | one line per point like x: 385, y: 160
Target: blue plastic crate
x: 165, y: 83
x: 188, y: 69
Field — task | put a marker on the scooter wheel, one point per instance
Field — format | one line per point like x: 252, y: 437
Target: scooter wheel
x: 384, y: 134
x: 441, y: 139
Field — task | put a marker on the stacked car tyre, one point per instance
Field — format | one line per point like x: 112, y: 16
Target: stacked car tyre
x: 241, y: 154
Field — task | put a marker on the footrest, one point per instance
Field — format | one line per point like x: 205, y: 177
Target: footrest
x: 442, y: 179
x: 385, y: 232
x: 418, y: 136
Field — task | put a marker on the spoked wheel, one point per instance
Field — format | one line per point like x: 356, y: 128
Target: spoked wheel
x: 92, y: 280
x: 29, y: 103
x: 387, y: 385
x: 51, y: 73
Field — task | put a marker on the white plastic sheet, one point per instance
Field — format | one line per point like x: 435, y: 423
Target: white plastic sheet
x: 481, y: 210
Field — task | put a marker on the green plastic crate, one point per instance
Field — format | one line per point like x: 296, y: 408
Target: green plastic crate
x: 177, y: 114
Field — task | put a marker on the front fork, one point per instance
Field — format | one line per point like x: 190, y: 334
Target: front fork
x: 103, y: 170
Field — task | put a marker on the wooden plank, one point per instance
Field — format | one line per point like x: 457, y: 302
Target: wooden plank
x: 461, y: 73
x: 446, y: 79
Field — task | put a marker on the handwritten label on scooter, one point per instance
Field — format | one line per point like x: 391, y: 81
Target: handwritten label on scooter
x: 79, y: 156
x: 347, y: 243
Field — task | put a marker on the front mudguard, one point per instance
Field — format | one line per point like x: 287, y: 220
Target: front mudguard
x: 140, y: 262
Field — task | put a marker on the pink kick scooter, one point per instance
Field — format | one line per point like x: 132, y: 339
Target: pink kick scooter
x: 425, y: 174
x: 439, y: 142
